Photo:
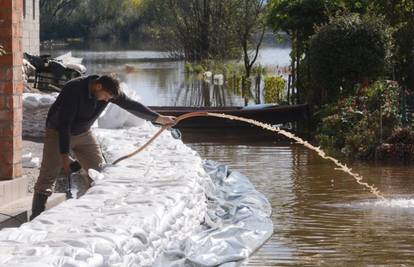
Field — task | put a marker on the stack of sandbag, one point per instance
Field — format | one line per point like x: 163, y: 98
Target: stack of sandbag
x: 35, y: 108
x: 114, y: 117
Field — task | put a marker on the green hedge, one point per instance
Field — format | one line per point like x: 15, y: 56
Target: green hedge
x: 347, y: 51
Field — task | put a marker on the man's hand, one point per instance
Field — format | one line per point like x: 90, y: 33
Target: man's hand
x: 66, y: 163
x: 166, y: 120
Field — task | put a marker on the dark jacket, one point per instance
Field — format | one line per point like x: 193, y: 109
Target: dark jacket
x: 76, y: 109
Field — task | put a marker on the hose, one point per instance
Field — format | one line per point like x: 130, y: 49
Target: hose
x: 163, y: 128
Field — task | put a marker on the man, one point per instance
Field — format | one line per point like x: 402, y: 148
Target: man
x: 68, y: 125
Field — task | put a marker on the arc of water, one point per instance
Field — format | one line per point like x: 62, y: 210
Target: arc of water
x: 358, y: 178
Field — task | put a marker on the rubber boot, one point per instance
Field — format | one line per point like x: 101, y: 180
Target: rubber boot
x: 38, y: 204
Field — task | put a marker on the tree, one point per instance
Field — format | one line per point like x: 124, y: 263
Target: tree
x: 54, y: 15
x: 196, y: 29
x: 90, y: 19
x: 400, y: 15
x: 349, y: 50
x: 298, y: 19
x: 250, y: 27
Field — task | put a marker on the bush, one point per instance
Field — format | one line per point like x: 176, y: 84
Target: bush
x: 400, y: 146
x: 188, y: 67
x: 274, y: 86
x: 198, y: 69
x: 358, y: 125
x: 350, y: 49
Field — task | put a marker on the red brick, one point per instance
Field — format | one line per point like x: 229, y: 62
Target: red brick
x: 6, y: 115
x: 7, y: 4
x: 8, y: 130
x: 6, y: 76
x: 3, y: 102
x: 10, y: 157
x: 5, y: 86
x: 6, y: 171
x: 6, y: 31
x: 11, y: 88
x: 6, y: 15
x: 6, y: 144
x: 6, y: 60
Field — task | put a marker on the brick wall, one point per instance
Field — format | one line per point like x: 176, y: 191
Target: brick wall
x: 31, y: 24
x: 11, y: 88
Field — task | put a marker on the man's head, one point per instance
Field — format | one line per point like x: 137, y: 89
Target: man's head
x: 106, y: 88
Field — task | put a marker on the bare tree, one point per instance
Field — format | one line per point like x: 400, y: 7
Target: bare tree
x: 250, y: 28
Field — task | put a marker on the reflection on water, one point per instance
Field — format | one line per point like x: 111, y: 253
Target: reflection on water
x: 163, y: 82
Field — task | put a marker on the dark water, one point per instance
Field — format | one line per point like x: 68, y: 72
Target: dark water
x: 321, y: 216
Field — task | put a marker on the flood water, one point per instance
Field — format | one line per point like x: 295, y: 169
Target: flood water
x: 321, y: 216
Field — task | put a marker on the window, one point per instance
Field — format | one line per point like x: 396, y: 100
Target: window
x: 34, y: 9
x: 24, y: 9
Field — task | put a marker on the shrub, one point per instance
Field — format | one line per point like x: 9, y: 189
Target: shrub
x: 399, y: 146
x: 188, y: 67
x: 198, y: 69
x: 358, y: 125
x: 350, y: 49
x: 274, y: 87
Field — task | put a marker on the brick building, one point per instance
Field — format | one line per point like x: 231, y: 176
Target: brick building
x: 19, y: 32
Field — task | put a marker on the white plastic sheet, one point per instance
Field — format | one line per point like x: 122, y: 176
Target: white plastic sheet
x: 237, y: 222
x: 163, y: 207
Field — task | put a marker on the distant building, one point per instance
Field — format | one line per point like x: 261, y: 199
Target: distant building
x: 31, y: 27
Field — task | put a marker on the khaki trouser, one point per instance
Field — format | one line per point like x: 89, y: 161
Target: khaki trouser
x: 84, y: 146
